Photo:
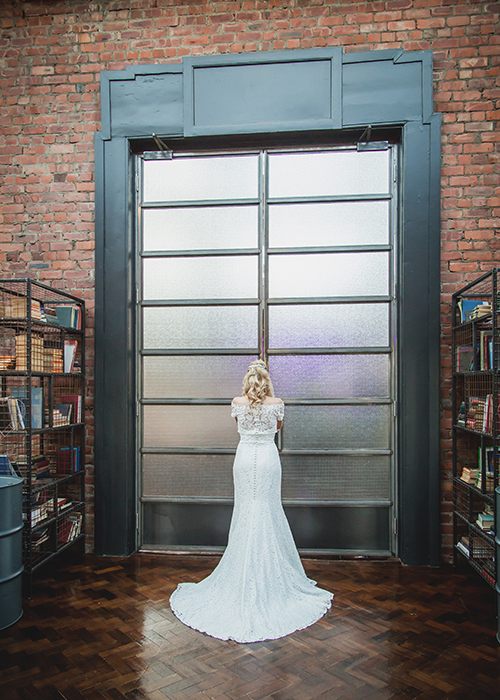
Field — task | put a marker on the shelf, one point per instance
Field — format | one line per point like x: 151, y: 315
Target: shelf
x: 485, y: 317
x: 480, y: 569
x: 59, y: 549
x: 38, y: 326
x: 42, y: 484
x: 40, y: 431
x: 487, y: 496
x: 36, y: 373
x: 476, y: 432
x: 48, y: 341
x: 53, y: 518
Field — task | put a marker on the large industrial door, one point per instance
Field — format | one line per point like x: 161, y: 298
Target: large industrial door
x: 289, y: 255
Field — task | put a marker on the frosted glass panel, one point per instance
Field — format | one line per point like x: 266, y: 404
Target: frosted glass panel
x: 329, y: 326
x: 208, y: 327
x: 329, y: 275
x: 188, y: 476
x: 200, y: 228
x: 190, y: 377
x: 190, y: 179
x: 330, y: 376
x: 328, y: 173
x: 231, y: 277
x: 336, y: 477
x: 328, y: 224
x: 189, y: 426
x: 336, y: 427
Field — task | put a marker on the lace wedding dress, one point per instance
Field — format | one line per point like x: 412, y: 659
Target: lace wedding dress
x: 259, y: 589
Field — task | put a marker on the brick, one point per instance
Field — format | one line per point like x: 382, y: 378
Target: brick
x: 50, y: 108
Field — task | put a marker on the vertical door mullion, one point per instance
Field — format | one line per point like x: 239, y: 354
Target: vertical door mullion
x: 263, y: 257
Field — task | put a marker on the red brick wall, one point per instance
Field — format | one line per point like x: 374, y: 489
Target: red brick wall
x: 51, y: 54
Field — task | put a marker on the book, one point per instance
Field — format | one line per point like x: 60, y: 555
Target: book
x: 69, y: 316
x: 484, y: 356
x: 36, y: 404
x: 70, y: 348
x: 4, y: 414
x: 465, y: 358
x: 76, y: 401
x: 64, y: 463
x: 17, y: 413
x: 6, y: 468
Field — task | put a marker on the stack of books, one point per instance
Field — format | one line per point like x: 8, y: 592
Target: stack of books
x: 462, y: 415
x: 489, y: 481
x: 477, y: 414
x: 486, y: 520
x: 38, y: 513
x: 463, y: 546
x: 37, y: 352
x: 469, y: 475
x: 49, y: 316
x: 7, y: 362
x: 53, y: 356
x: 39, y: 538
x: 467, y: 307
x: 61, y: 414
x: 472, y: 410
x: 16, y: 308
x: 479, y: 311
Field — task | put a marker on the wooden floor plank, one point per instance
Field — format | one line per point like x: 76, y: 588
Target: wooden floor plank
x: 102, y: 629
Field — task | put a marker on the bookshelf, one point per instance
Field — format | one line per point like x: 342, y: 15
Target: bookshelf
x: 42, y: 436
x: 476, y: 438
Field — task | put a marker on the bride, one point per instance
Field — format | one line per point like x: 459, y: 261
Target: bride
x: 259, y: 589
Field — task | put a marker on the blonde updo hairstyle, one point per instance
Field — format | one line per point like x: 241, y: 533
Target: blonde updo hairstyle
x: 257, y: 383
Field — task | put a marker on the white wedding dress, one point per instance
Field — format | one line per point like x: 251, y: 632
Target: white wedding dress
x: 259, y: 589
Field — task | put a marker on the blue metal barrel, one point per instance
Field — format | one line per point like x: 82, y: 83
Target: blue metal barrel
x: 497, y: 546
x: 11, y: 550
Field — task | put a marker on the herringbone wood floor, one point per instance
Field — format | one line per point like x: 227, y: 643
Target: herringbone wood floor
x: 103, y: 629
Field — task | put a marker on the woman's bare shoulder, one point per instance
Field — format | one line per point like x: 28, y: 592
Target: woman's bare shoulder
x: 270, y: 400
x: 240, y: 401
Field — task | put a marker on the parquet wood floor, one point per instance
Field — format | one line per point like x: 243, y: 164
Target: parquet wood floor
x: 102, y: 629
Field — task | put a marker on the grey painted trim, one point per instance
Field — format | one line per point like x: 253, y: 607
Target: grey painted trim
x: 130, y: 73
x: 192, y: 64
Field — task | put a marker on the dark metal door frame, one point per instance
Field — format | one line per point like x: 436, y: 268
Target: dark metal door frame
x: 150, y: 99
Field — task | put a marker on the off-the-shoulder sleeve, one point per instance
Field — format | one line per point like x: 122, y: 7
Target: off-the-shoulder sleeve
x: 280, y: 411
x: 234, y: 410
